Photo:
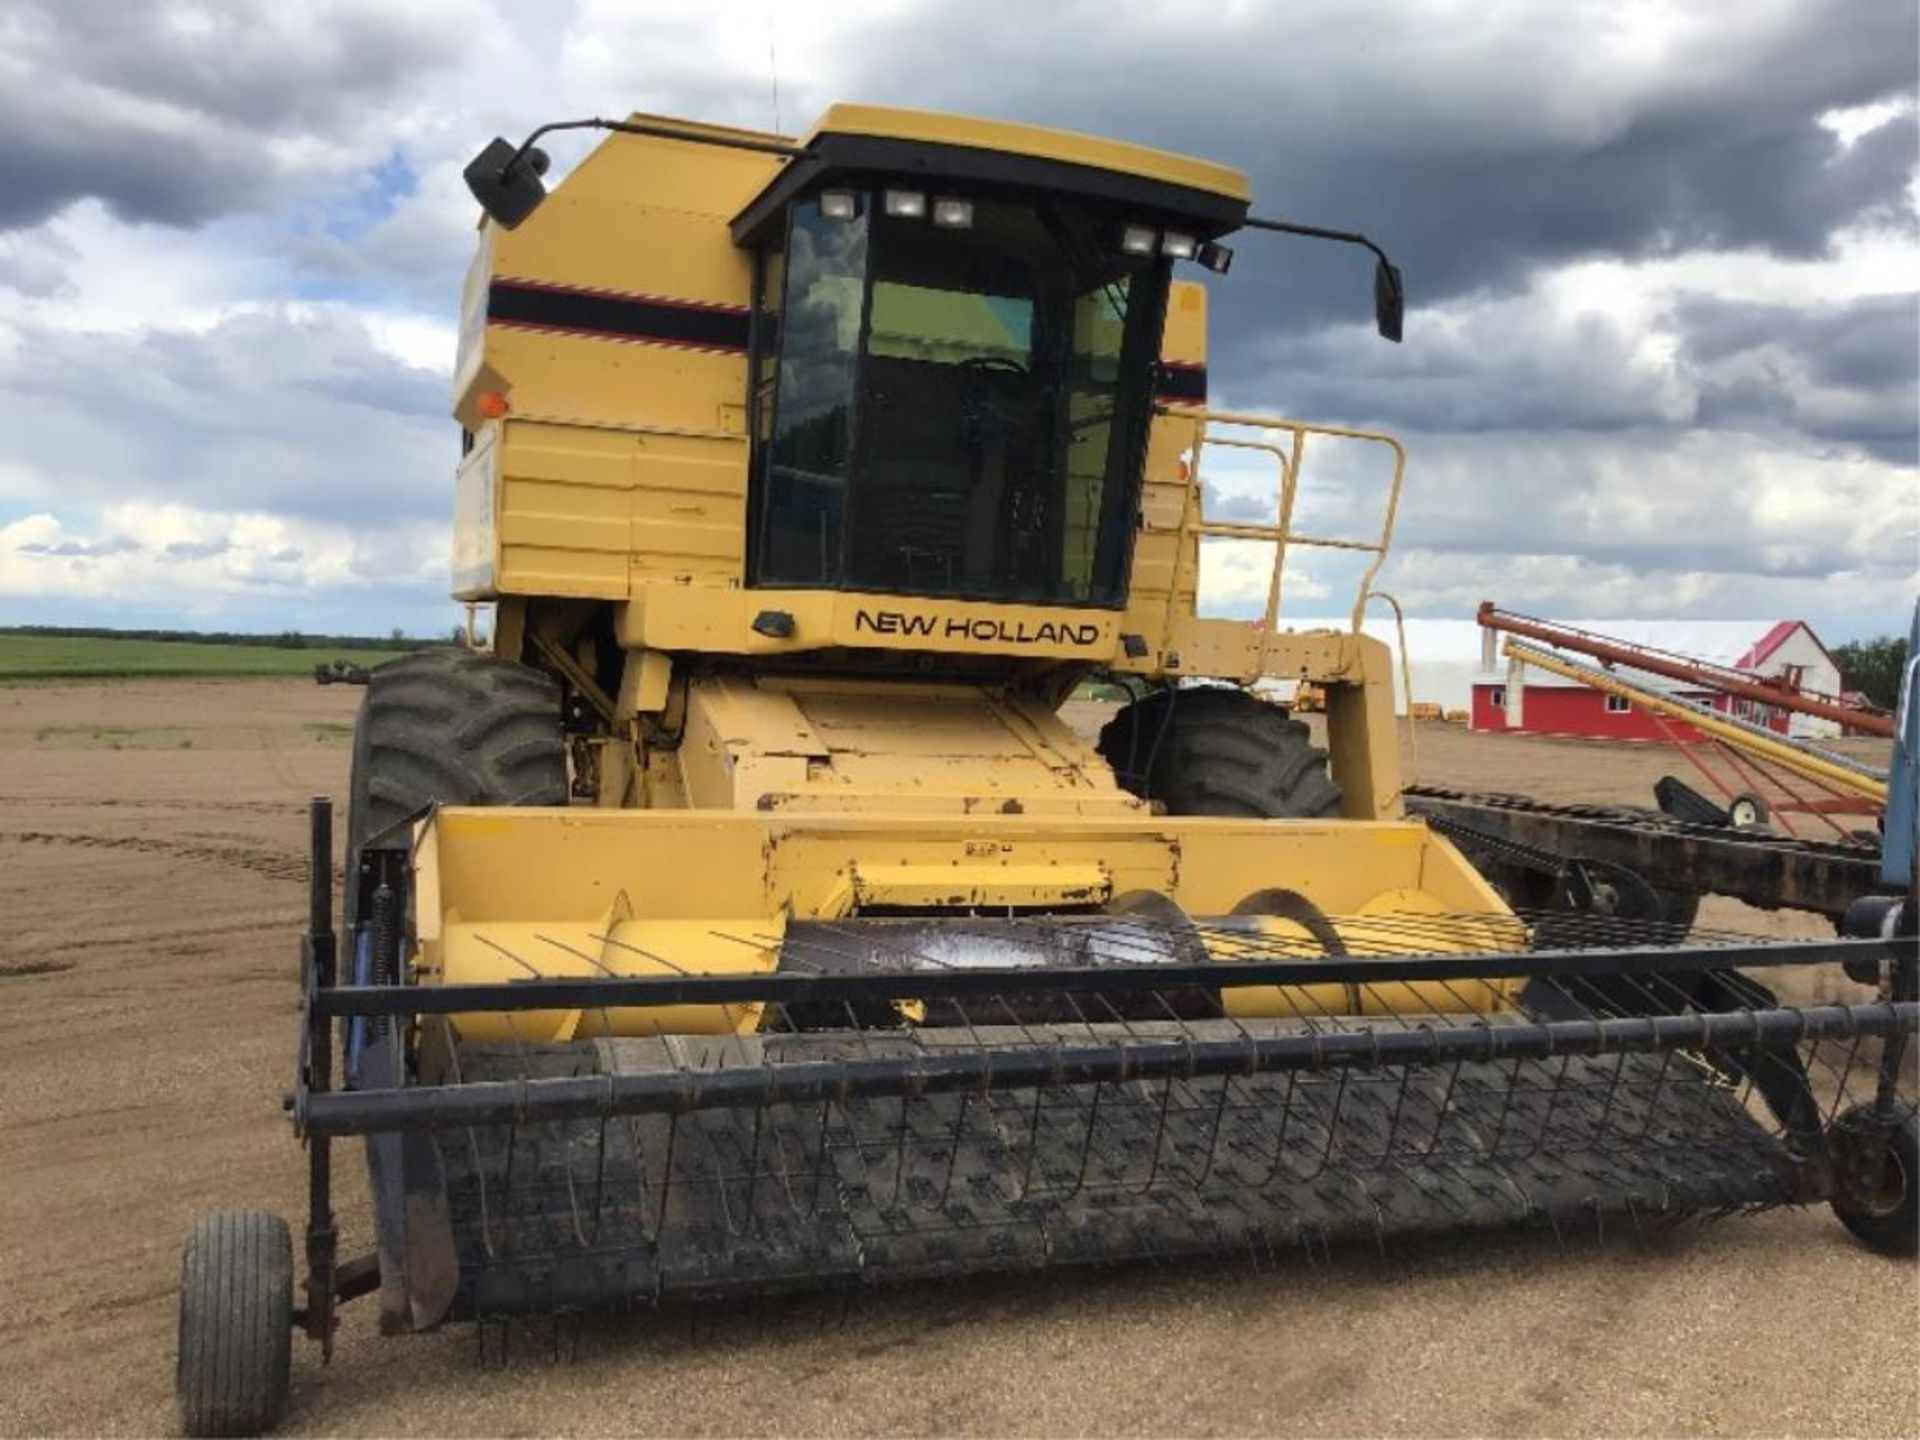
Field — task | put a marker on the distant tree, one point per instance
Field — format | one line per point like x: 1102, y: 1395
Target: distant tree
x: 459, y: 635
x: 1873, y: 667
x: 398, y: 635
x: 290, y: 640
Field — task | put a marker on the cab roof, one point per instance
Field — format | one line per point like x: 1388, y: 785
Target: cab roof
x: 872, y: 141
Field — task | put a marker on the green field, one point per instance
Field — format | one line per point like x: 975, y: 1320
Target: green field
x: 62, y: 657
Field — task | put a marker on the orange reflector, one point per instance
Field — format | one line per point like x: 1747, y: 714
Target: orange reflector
x: 1186, y: 470
x: 491, y: 404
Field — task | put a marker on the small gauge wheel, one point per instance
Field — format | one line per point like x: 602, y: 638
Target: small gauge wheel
x: 1876, y: 1164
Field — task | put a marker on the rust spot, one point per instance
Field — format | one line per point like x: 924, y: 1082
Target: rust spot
x: 1013, y: 807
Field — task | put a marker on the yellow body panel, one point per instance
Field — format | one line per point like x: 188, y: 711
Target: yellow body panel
x: 620, y: 472
x: 831, y: 745
x: 691, y: 864
x: 1014, y: 139
x: 555, y: 892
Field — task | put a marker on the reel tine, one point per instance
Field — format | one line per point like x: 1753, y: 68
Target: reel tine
x: 753, y: 1164
x: 1056, y: 1121
x: 666, y: 1179
x: 821, y: 1165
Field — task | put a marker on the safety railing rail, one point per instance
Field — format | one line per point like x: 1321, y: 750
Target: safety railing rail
x: 1286, y: 441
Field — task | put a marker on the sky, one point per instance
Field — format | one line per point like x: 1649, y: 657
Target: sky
x: 1662, y: 352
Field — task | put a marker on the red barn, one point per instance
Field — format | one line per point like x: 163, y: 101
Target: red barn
x: 1551, y: 705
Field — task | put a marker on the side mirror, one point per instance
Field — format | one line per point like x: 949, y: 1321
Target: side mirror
x: 506, y: 181
x: 1389, y: 300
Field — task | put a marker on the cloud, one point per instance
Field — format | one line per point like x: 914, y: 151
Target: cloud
x: 1538, y: 135
x: 161, y: 560
x: 178, y: 113
x: 110, y: 545
x: 197, y: 549
x: 293, y: 409
x: 1842, y: 372
x: 1660, y: 257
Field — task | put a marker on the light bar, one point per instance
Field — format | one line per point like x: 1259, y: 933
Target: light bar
x: 839, y: 204
x: 1180, y: 247
x: 1139, y: 240
x: 951, y: 214
x: 907, y: 204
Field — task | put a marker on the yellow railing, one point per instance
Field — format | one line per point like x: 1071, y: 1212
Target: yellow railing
x: 1286, y: 441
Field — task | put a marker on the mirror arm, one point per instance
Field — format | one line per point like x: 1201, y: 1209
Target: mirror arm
x: 659, y: 132
x: 1317, y: 232
x: 1388, y: 289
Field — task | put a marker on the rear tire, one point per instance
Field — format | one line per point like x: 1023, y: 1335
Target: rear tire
x: 449, y: 727
x: 1747, y: 811
x: 236, y: 1324
x: 1219, y: 752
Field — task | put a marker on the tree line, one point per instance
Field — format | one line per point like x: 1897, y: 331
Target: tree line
x: 1873, y: 667
x: 284, y: 640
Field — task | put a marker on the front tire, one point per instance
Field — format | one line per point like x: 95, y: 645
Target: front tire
x: 1219, y: 751
x: 236, y: 1324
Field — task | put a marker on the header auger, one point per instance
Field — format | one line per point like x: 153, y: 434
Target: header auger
x: 745, y: 916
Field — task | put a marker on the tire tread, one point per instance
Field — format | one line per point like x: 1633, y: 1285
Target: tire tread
x: 236, y: 1323
x: 1219, y: 752
x: 451, y: 727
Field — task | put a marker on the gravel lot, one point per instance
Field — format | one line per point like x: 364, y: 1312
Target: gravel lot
x: 151, y: 884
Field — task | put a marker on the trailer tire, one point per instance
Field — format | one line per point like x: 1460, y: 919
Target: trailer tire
x: 1877, y: 1192
x: 1678, y: 910
x: 449, y: 727
x: 1219, y: 751
x: 236, y: 1324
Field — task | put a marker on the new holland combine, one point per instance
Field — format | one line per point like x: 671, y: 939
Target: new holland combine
x: 745, y: 917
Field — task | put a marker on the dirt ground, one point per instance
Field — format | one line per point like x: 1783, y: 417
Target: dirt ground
x: 151, y: 887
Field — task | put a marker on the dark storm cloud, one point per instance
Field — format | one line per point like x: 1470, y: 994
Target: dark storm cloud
x: 178, y: 115
x: 1500, y: 365
x: 1867, y: 343
x: 1474, y: 157
x: 1845, y: 373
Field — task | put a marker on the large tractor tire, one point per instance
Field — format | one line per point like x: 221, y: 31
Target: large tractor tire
x: 448, y: 727
x: 1219, y: 752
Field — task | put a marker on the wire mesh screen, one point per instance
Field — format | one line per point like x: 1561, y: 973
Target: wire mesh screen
x: 925, y: 1098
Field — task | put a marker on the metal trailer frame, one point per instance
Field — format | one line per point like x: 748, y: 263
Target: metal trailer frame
x: 1757, y: 867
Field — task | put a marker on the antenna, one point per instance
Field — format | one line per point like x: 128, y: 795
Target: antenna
x: 773, y: 71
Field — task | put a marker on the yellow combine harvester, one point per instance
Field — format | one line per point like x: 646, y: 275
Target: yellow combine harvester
x: 749, y: 918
